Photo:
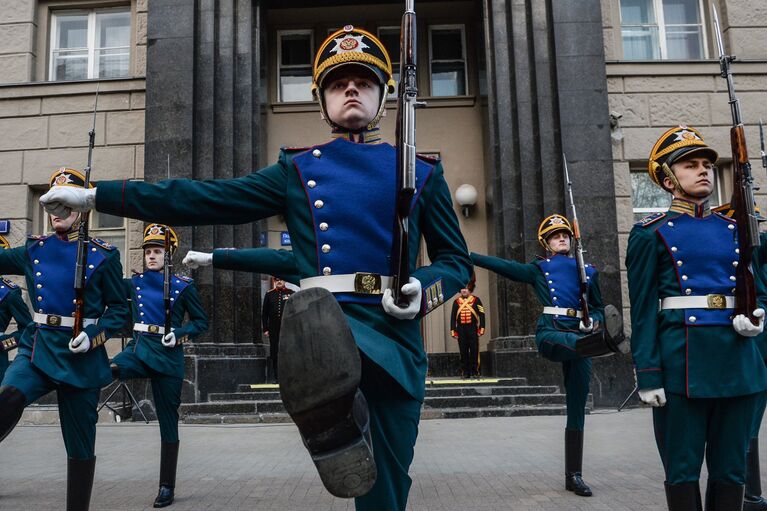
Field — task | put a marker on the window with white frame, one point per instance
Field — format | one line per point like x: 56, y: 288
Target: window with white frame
x: 447, y: 60
x: 294, y: 55
x: 663, y: 29
x: 647, y: 197
x: 389, y: 37
x: 90, y: 44
x: 109, y: 228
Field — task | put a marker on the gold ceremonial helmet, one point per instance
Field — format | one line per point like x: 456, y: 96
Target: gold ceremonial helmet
x: 671, y: 147
x: 64, y: 176
x: 550, y: 225
x: 154, y: 235
x: 352, y: 46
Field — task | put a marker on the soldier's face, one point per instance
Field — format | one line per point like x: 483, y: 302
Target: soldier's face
x: 154, y: 257
x: 279, y: 284
x: 352, y: 98
x: 464, y: 292
x: 559, y: 242
x: 62, y: 225
x: 695, y: 176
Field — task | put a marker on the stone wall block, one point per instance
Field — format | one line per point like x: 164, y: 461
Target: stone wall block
x: 39, y: 165
x: 139, y: 173
x: 17, y: 11
x: 744, y: 13
x: 138, y: 100
x: 672, y: 109
x: 608, y: 42
x: 72, y: 130
x: 23, y: 133
x: 17, y: 38
x: 749, y: 43
x: 16, y: 68
x: 84, y: 103
x: 113, y: 162
x: 125, y: 128
x: 625, y: 214
x: 634, y: 107
x: 141, y: 5
x: 141, y: 19
x: 614, y: 84
x: 19, y: 107
x: 14, y: 199
x: 622, y: 177
x: 10, y: 167
x: 623, y: 243
x: 673, y: 84
x: 139, y: 61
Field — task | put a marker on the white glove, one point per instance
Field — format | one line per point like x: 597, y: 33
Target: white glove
x: 196, y: 259
x: 653, y: 397
x: 80, y: 344
x: 60, y: 201
x: 586, y: 329
x: 413, y: 291
x: 169, y: 340
x: 744, y: 327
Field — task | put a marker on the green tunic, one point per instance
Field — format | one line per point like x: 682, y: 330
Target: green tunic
x: 11, y: 307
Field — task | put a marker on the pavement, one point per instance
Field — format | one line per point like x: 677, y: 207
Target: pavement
x: 513, y: 463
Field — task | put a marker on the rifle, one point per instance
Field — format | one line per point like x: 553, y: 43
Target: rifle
x: 82, y: 234
x: 579, y: 251
x: 407, y: 92
x: 761, y: 143
x: 167, y: 273
x: 743, y: 193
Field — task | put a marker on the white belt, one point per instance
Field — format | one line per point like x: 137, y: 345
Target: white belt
x: 151, y: 329
x: 561, y: 311
x: 55, y: 320
x: 711, y: 301
x: 360, y: 282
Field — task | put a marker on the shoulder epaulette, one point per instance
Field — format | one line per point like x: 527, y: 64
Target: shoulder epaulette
x: 725, y: 216
x: 184, y: 278
x: 427, y: 157
x: 724, y: 210
x: 294, y: 149
x: 103, y: 244
x: 9, y: 283
x: 36, y: 237
x: 134, y: 272
x: 650, y: 219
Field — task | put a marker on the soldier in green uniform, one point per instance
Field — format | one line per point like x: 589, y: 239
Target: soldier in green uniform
x: 12, y: 306
x: 561, y: 335
x: 338, y: 200
x: 49, y: 359
x: 156, y: 354
x: 696, y: 362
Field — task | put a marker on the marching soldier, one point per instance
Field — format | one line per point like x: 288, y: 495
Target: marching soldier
x: 561, y: 335
x: 467, y: 325
x: 156, y: 354
x: 696, y: 362
x: 49, y: 359
x: 12, y: 306
x: 343, y: 244
x: 271, y: 319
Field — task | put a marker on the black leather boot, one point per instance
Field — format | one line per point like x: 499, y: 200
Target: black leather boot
x: 574, y: 463
x: 753, y: 500
x: 721, y: 496
x: 80, y: 483
x: 320, y: 371
x: 12, y: 403
x: 607, y: 340
x: 168, y: 463
x: 683, y: 497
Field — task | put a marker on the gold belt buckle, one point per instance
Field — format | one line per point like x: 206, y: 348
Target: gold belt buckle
x: 153, y: 329
x: 716, y: 301
x: 572, y: 313
x: 367, y: 283
x: 53, y: 320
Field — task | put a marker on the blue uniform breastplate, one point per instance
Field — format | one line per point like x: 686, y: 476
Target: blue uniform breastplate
x: 561, y: 274
x: 53, y: 264
x: 147, y: 288
x: 351, y: 190
x: 704, y: 252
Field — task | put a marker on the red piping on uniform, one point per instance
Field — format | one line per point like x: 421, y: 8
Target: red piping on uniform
x: 649, y: 369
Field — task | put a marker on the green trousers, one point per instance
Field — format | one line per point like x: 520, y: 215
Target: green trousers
x: 559, y: 346
x: 689, y: 429
x: 77, y: 407
x: 166, y: 391
x: 394, y: 417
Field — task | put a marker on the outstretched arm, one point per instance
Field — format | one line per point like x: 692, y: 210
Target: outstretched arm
x: 518, y: 272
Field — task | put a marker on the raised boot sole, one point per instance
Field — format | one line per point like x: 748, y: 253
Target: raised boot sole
x: 320, y: 370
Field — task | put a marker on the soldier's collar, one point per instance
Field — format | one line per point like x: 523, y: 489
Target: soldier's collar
x: 690, y: 208
x: 362, y: 137
x: 70, y: 235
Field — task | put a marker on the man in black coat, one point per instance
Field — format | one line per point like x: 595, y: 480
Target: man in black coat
x: 271, y: 318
